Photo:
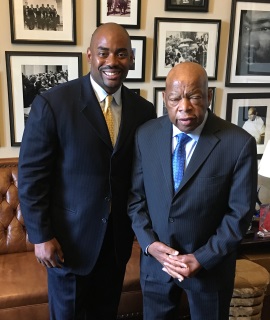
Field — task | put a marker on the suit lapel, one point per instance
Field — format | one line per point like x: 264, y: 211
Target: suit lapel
x: 127, y: 118
x: 90, y: 107
x: 164, y: 147
x: 207, y: 142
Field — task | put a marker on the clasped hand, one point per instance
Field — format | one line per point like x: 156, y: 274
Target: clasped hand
x: 49, y: 254
x: 176, y: 265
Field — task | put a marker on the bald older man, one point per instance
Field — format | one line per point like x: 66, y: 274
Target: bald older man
x: 74, y: 176
x: 189, y: 229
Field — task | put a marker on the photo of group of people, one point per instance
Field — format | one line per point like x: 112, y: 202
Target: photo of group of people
x: 186, y: 46
x: 118, y: 7
x: 42, y: 16
x: 34, y: 83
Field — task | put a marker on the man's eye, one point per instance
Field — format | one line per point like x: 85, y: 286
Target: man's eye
x: 264, y: 29
x: 122, y: 54
x: 103, y: 54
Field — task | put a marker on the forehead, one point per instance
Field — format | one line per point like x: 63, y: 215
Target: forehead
x: 113, y: 37
x: 255, y: 16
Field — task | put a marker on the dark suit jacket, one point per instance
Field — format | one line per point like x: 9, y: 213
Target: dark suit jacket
x: 210, y: 213
x: 69, y: 172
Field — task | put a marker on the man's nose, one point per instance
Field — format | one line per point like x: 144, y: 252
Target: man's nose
x: 111, y: 59
x: 183, y: 105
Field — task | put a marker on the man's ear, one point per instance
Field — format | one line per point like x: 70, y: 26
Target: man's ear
x: 210, y: 96
x: 89, y: 55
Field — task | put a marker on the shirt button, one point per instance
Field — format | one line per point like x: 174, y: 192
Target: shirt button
x: 171, y: 220
x: 104, y: 220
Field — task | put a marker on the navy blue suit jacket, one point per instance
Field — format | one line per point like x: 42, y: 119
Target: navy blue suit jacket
x: 211, y: 211
x: 69, y: 172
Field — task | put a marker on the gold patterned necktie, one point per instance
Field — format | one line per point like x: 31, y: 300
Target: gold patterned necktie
x: 108, y: 116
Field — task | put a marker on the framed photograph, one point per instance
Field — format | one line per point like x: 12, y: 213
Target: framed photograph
x: 178, y: 40
x: 35, y: 21
x: 248, y: 62
x: 161, y: 109
x: 30, y: 74
x: 251, y: 111
x: 137, y: 70
x: 160, y: 105
x: 186, y: 5
x: 124, y: 12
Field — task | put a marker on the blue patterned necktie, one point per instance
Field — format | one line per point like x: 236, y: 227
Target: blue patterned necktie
x: 179, y: 159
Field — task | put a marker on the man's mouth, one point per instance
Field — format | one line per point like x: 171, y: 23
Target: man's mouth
x: 111, y: 73
x: 186, y: 121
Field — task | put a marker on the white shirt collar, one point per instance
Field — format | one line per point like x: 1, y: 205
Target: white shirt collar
x: 101, y: 93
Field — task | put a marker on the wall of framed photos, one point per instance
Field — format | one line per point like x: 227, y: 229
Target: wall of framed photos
x: 215, y: 15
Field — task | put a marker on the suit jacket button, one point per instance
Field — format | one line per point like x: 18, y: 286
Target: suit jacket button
x: 104, y: 220
x: 108, y: 199
x: 171, y: 220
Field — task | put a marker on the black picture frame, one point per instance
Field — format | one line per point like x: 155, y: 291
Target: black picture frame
x: 49, y: 27
x: 186, y: 5
x: 31, y: 73
x: 192, y: 39
x: 137, y: 71
x: 129, y: 20
x: 160, y: 106
x: 237, y: 113
x: 248, y: 64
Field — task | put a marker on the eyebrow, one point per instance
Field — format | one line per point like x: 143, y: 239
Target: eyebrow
x: 258, y: 21
x: 119, y: 49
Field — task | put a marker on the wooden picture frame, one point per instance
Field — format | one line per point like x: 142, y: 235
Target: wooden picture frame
x: 127, y: 14
x: 137, y: 70
x: 161, y: 108
x: 177, y: 40
x: 186, y: 5
x: 43, y: 24
x: 31, y: 73
x: 248, y: 62
x: 238, y: 105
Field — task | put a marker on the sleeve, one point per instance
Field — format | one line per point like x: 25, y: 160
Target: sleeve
x: 137, y: 204
x: 35, y: 175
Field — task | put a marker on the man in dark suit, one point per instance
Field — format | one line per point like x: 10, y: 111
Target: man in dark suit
x: 74, y: 181
x: 190, y: 235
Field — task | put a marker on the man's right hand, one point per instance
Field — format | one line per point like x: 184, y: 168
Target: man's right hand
x: 162, y: 253
x: 49, y: 254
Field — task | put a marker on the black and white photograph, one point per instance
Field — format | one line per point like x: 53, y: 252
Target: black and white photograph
x: 178, y: 40
x: 137, y: 69
x: 249, y: 44
x: 186, y: 5
x: 251, y: 111
x: 118, y: 8
x: 39, y: 21
x: 30, y: 74
x: 124, y: 12
x: 186, y: 46
x: 39, y: 78
x: 42, y: 17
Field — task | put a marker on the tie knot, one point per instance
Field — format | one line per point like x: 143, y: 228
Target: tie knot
x: 108, y: 102
x: 183, y: 138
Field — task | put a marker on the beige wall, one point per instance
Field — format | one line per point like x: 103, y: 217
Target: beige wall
x: 86, y: 23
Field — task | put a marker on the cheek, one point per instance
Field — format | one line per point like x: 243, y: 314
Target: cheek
x: 172, y: 114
